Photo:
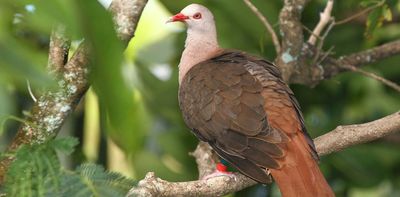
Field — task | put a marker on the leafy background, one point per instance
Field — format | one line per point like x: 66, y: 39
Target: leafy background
x: 130, y: 121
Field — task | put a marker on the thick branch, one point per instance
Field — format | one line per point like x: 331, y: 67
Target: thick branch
x: 290, y: 59
x: 345, y: 136
x: 53, y: 107
x: 206, y: 159
x: 58, y: 50
x: 218, y: 186
x: 336, y: 140
x: 126, y: 14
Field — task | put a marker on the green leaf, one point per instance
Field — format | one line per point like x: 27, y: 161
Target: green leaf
x: 122, y: 105
x: 387, y: 13
x: 376, y: 18
x: 24, y: 37
x: 19, y: 63
x: 47, y: 14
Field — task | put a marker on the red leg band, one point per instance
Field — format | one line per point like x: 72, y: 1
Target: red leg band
x: 221, y: 167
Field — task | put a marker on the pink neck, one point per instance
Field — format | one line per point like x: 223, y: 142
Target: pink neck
x: 196, y: 51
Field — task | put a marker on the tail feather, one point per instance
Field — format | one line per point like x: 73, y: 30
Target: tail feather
x: 300, y: 174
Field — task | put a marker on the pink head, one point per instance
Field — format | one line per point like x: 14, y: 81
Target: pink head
x: 196, y: 17
x: 201, y: 41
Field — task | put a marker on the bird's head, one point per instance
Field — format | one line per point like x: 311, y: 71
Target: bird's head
x: 196, y: 17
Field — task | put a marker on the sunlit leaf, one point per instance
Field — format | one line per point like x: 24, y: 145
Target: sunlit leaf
x: 122, y: 106
x: 376, y: 18
x: 387, y: 13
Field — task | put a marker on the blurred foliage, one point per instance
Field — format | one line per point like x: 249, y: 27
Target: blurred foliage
x: 137, y: 90
x: 377, y: 16
x: 36, y: 171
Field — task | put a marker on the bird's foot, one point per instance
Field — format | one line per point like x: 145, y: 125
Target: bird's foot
x: 221, y: 170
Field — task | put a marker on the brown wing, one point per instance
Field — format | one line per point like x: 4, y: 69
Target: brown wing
x: 223, y: 103
x: 283, y: 110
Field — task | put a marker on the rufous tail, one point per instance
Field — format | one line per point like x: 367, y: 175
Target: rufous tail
x: 300, y: 175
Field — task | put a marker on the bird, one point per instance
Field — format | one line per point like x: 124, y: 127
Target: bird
x: 239, y: 104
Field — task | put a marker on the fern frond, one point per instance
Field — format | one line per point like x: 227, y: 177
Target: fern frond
x: 65, y: 144
x: 97, y: 181
x: 36, y: 171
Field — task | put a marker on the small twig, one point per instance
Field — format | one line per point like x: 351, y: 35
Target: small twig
x: 325, y: 17
x: 267, y: 25
x: 374, y: 76
x: 352, y: 17
x: 30, y: 91
x: 326, y: 54
x: 308, y: 30
x: 322, y: 39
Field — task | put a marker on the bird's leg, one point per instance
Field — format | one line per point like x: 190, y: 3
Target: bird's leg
x: 221, y: 170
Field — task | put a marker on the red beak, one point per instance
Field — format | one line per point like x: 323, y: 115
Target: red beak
x: 177, y: 17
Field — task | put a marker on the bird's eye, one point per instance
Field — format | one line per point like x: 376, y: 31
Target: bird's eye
x: 197, y: 16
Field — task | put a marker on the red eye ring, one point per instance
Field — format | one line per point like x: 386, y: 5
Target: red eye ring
x: 197, y: 16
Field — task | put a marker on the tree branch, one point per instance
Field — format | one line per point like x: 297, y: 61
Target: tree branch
x: 53, y: 107
x: 218, y: 186
x: 327, y: 66
x: 336, y: 140
x: 58, y: 50
x: 333, y: 66
x: 206, y: 159
x: 345, y: 136
x: 305, y: 63
x: 266, y: 24
x: 126, y: 14
x: 325, y: 17
x: 291, y: 59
